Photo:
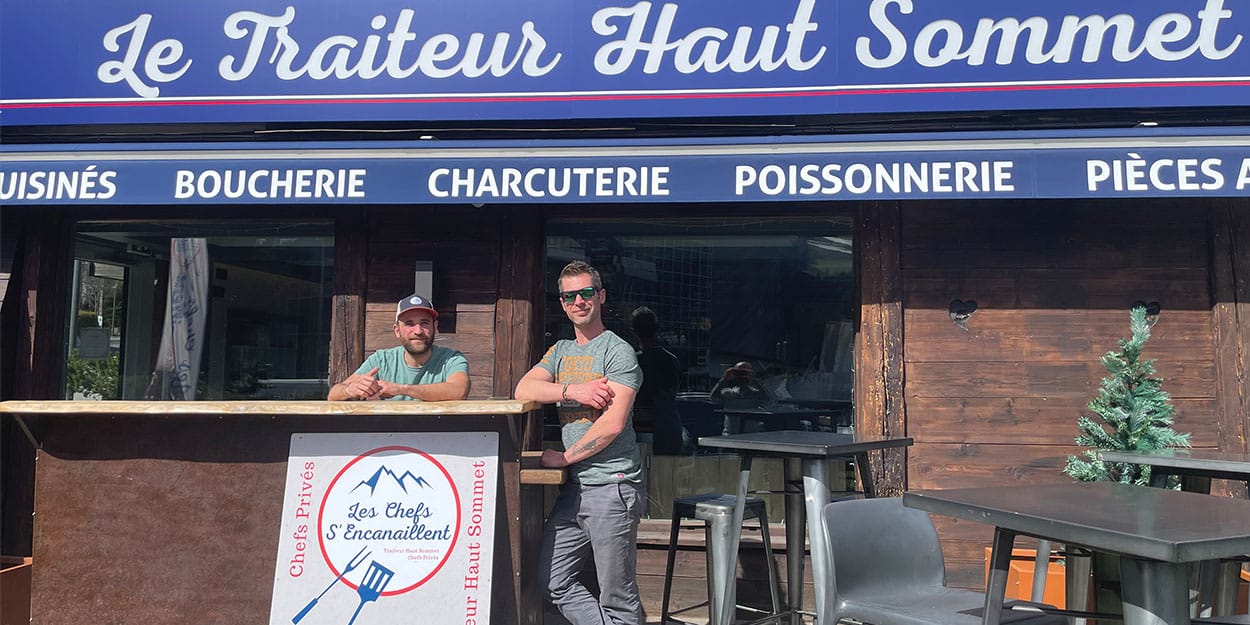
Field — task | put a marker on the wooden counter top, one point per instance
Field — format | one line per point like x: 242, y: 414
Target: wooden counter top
x: 324, y: 408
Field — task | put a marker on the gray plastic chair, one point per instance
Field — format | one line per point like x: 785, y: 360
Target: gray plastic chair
x: 888, y: 570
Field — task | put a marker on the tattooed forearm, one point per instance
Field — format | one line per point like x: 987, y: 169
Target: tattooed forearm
x: 591, y: 446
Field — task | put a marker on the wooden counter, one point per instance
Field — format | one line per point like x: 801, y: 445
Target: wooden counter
x: 169, y: 512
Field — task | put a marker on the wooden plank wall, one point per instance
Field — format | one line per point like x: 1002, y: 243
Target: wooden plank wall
x: 1053, y: 282
x: 464, y: 244
x: 1231, y: 319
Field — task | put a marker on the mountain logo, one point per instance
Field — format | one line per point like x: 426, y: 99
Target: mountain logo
x: 399, y: 503
x: 401, y: 480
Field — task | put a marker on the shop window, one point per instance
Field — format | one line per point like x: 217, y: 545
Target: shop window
x: 760, y: 313
x: 200, y: 311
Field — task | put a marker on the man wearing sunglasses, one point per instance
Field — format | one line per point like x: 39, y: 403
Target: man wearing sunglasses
x: 593, y: 380
x: 416, y: 369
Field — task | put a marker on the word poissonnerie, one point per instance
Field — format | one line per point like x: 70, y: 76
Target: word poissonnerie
x: 877, y: 178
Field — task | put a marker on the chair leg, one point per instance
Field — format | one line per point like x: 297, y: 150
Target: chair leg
x: 1041, y: 566
x: 1077, y: 571
x: 774, y: 587
x: 668, y: 567
x: 721, y: 563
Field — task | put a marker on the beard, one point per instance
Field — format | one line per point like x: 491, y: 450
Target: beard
x: 418, y: 346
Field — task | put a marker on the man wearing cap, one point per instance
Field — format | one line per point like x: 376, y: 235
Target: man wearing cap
x: 416, y: 369
x: 593, y: 379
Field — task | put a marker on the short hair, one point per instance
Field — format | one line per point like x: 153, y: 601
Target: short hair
x: 577, y: 268
x: 645, y: 322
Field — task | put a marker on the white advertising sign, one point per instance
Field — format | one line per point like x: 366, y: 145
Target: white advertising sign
x: 383, y: 527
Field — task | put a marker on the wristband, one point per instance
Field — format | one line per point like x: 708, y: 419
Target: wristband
x: 564, y: 393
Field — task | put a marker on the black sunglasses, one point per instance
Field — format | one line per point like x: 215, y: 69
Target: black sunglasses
x: 568, y: 297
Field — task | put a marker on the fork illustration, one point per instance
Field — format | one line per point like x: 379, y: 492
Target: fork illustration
x: 356, y: 560
x: 371, y: 587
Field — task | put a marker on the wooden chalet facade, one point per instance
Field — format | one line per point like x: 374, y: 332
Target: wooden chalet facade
x: 1053, y: 265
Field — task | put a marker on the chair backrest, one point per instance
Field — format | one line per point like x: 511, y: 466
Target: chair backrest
x: 879, y: 545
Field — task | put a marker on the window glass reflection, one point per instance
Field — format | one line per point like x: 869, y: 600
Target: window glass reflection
x: 758, y: 316
x: 200, y: 310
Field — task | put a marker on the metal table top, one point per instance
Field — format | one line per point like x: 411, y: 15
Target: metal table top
x: 1208, y: 462
x: 801, y: 443
x: 1152, y: 523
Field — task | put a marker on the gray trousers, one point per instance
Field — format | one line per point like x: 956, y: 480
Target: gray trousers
x: 599, y: 522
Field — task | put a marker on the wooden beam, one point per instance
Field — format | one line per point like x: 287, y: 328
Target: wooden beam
x: 879, y: 408
x: 517, y: 342
x: 47, y: 296
x: 517, y: 311
x: 347, y: 326
x: 39, y: 359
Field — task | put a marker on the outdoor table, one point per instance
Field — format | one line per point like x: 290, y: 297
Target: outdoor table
x: 1206, y: 463
x: 1157, y: 532
x: 1197, y: 463
x: 815, y: 451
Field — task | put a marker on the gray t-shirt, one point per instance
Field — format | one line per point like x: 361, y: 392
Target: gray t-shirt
x: 607, y: 355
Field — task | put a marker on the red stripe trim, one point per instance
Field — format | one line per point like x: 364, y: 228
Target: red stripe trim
x: 625, y: 97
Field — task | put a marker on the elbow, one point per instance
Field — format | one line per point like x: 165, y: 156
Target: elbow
x: 524, y: 392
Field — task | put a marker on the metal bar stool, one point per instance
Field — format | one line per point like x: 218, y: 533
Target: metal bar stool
x: 716, y: 510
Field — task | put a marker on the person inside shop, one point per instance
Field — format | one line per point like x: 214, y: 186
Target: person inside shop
x: 739, y: 388
x: 415, y: 369
x: 655, y: 409
x: 593, y: 380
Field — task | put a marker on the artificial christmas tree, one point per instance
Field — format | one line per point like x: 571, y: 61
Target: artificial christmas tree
x: 1133, y: 412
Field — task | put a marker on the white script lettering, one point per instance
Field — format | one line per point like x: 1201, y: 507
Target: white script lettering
x: 343, y: 56
x: 703, y: 49
x: 941, y: 42
x: 164, y: 53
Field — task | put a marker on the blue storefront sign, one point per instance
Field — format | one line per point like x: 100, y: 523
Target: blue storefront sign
x: 77, y: 62
x: 1200, y: 163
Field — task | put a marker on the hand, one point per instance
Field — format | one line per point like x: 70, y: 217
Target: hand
x: 387, y: 390
x: 364, y: 386
x: 595, y: 393
x: 553, y: 459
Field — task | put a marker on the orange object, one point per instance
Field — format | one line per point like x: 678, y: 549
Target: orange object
x: 1020, y: 577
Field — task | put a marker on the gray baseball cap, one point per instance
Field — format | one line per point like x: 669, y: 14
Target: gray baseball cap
x: 415, y: 302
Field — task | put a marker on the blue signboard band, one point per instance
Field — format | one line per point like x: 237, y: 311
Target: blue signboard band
x: 76, y: 62
x: 1184, y: 162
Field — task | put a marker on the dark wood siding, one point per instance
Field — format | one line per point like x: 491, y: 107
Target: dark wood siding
x: 463, y: 243
x: 1053, y: 282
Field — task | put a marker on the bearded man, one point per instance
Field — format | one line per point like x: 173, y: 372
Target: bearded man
x: 416, y: 369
